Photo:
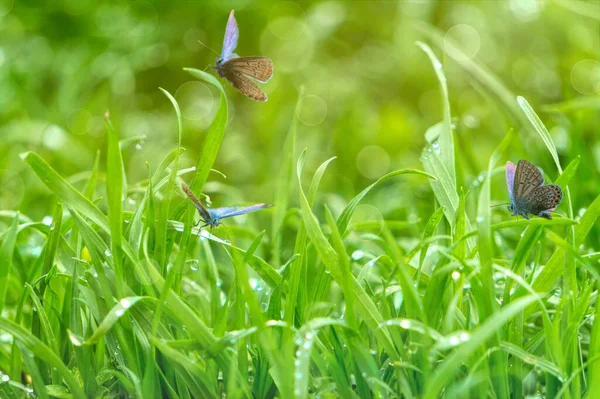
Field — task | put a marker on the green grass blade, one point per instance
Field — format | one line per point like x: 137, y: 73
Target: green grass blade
x: 45, y: 353
x: 6, y: 259
x: 348, y: 211
x: 179, y: 117
x: 285, y: 182
x: 480, y: 335
x: 114, y: 193
x: 540, y: 129
x: 214, y: 135
x: 67, y: 194
x: 445, y: 139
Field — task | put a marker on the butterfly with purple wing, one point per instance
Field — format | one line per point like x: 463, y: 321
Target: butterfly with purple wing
x: 528, y: 195
x: 238, y: 70
x: 212, y: 217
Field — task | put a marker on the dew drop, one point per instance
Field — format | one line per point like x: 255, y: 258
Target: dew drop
x: 125, y: 303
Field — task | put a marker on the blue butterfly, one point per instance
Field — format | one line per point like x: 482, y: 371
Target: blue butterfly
x: 238, y: 70
x: 528, y: 195
x: 212, y: 216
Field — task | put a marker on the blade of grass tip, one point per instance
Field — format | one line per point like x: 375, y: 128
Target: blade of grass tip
x: 324, y: 249
x: 446, y: 141
x: 50, y: 249
x: 214, y: 135
x: 540, y: 129
x: 448, y: 368
x: 46, y: 327
x: 344, y: 218
x: 570, y: 278
x: 161, y: 250
x: 485, y: 297
x: 430, y: 228
x: 68, y: 195
x: 179, y: 117
x: 296, y: 293
x: 6, y: 258
x: 112, y: 317
x: 328, y: 256
x: 42, y: 351
x: 485, y: 77
x: 285, y: 182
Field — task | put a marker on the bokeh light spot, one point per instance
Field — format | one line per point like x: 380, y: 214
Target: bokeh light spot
x: 462, y: 42
x: 195, y: 100
x: 585, y: 76
x: 123, y: 81
x: 79, y: 121
x: 312, y: 110
x: 287, y: 20
x: 294, y: 55
x: 372, y: 161
x: 157, y: 55
x: 368, y: 216
x: 54, y: 137
x: 13, y: 189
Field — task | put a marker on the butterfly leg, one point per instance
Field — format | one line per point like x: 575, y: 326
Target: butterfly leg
x: 545, y: 216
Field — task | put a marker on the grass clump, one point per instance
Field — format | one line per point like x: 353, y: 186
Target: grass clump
x: 127, y: 297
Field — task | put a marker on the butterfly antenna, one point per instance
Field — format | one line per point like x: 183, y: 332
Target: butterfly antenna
x: 504, y: 203
x: 199, y: 41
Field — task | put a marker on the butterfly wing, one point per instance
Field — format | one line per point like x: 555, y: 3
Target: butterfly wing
x: 204, y: 213
x: 259, y: 68
x: 510, y: 179
x: 527, y: 178
x: 244, y: 84
x: 228, y: 212
x: 545, y: 199
x: 231, y: 38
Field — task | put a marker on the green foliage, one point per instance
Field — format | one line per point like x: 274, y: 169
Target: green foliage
x: 411, y: 287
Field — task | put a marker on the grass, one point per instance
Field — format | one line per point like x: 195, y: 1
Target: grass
x: 132, y: 300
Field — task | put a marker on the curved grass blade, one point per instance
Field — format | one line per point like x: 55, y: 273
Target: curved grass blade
x: 43, y: 352
x: 445, y: 139
x: 214, y: 135
x: 348, y: 211
x: 479, y: 336
x: 285, y: 182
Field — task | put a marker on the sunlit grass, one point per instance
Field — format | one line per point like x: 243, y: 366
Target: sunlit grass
x: 127, y: 297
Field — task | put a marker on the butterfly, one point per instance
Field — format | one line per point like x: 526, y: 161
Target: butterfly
x: 238, y: 70
x: 212, y: 217
x: 528, y: 195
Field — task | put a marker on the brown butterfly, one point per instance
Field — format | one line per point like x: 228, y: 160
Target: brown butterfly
x: 238, y: 70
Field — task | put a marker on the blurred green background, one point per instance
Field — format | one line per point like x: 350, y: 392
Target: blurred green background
x: 370, y: 92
